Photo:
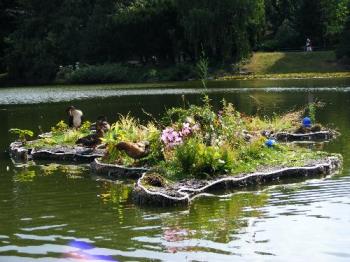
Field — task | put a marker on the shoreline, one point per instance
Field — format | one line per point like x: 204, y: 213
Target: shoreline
x: 162, y: 84
x: 286, y: 76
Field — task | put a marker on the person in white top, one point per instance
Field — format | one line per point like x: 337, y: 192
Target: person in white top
x: 308, y: 45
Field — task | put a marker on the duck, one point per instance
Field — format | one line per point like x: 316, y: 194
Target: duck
x: 93, y: 140
x: 102, y: 121
x: 74, y: 117
x: 134, y: 150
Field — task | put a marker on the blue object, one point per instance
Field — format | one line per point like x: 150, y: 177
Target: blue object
x: 270, y: 142
x: 307, y: 122
x: 84, y: 252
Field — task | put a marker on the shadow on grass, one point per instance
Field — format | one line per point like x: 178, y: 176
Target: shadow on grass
x: 297, y: 62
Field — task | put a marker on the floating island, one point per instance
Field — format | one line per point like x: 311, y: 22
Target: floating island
x: 190, y: 150
x: 60, y: 144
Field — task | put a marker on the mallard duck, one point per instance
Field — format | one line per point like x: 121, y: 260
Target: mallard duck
x: 94, y: 139
x: 74, y: 117
x: 134, y: 150
x: 102, y: 122
x: 91, y: 140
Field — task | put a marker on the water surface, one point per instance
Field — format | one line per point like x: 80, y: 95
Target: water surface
x: 48, y: 211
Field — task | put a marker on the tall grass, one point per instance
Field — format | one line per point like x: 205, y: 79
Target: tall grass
x: 202, y: 67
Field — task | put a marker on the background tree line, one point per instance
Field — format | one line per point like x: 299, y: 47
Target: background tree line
x: 37, y: 36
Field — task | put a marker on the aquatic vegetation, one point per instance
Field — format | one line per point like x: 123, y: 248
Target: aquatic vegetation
x: 194, y: 141
x: 129, y: 129
x: 60, y: 127
x: 22, y: 133
x: 197, y: 142
x: 202, y: 67
x: 194, y: 158
x: 200, y: 143
x: 61, y: 135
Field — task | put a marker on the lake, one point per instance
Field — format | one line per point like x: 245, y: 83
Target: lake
x: 64, y: 213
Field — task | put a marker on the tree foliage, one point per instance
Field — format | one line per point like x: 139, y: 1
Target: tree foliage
x: 40, y: 36
x: 343, y: 50
x: 320, y: 20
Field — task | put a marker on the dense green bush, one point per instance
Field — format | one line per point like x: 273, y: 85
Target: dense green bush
x: 107, y: 73
x: 32, y: 64
x: 118, y: 73
x: 194, y: 158
x: 178, y: 72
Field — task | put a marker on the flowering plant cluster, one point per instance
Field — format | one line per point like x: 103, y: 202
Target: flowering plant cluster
x: 170, y: 137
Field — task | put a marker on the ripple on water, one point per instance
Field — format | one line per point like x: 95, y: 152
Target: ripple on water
x: 35, y: 95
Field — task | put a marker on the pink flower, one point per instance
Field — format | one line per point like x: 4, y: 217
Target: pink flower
x: 186, y: 129
x: 170, y: 137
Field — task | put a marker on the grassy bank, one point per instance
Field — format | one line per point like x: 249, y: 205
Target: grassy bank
x: 269, y: 65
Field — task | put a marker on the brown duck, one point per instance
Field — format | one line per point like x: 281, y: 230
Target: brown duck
x: 93, y: 140
x: 134, y: 150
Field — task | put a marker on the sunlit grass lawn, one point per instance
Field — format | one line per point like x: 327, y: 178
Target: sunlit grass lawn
x: 293, y: 62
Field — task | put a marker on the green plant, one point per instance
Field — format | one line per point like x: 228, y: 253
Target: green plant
x: 312, y: 112
x: 71, y: 136
x: 106, y: 73
x: 60, y: 127
x: 195, y: 159
x: 22, y: 133
x: 202, y: 67
x: 128, y: 129
x: 179, y: 72
x: 85, y: 127
x: 153, y: 137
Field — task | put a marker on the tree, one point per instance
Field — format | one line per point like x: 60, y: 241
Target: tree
x: 343, y: 50
x: 323, y: 20
x: 226, y: 29
x: 8, y: 15
x: 333, y: 18
x: 47, y: 35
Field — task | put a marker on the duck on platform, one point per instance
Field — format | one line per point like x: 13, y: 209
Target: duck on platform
x: 102, y: 121
x: 74, y: 117
x: 134, y: 150
x: 93, y: 140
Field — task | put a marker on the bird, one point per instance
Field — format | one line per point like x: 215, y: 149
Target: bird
x: 94, y: 139
x: 74, y: 117
x: 134, y: 150
x: 102, y: 121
